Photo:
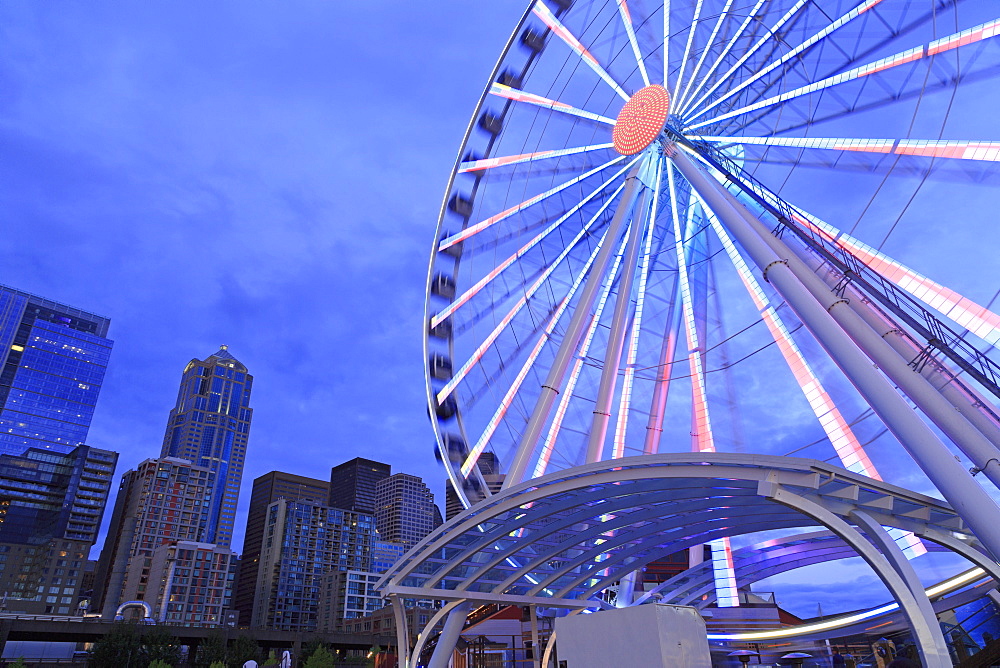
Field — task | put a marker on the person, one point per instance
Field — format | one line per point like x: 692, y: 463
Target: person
x: 838, y: 659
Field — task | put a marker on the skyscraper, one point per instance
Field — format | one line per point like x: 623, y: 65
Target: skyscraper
x: 352, y: 484
x: 404, y: 509
x: 489, y: 466
x: 209, y: 426
x: 267, y: 489
x: 52, y: 363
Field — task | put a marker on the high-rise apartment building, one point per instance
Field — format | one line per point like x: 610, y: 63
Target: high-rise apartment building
x: 267, y: 489
x: 404, y: 509
x: 209, y: 426
x: 52, y: 363
x: 303, y: 542
x: 162, y: 501
x: 51, y: 506
x: 352, y: 484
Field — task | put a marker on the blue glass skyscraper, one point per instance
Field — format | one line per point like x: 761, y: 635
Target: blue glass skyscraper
x: 52, y: 363
x: 209, y: 426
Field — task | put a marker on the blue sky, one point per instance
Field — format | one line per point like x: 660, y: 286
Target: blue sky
x: 254, y: 175
x: 268, y: 176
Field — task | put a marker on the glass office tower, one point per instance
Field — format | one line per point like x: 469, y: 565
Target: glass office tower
x: 209, y: 426
x: 52, y: 363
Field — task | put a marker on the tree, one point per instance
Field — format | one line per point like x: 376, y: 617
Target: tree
x: 321, y: 658
x: 159, y: 645
x: 121, y: 647
x: 242, y: 650
x: 212, y: 651
x: 19, y: 663
x: 310, y: 648
x: 160, y: 664
x: 217, y: 664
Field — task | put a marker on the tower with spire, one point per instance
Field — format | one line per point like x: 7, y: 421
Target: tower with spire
x: 209, y: 426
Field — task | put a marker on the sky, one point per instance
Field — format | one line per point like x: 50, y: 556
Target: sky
x: 268, y: 176
x: 265, y: 176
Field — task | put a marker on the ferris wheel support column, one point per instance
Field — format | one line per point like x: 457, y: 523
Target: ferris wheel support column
x: 936, y: 373
x: 969, y: 499
x: 616, y: 337
x: 574, y: 332
x: 870, y: 336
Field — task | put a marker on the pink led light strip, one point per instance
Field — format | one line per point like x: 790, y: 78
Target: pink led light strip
x: 490, y: 163
x: 962, y: 311
x: 500, y: 90
x: 839, y: 23
x: 449, y: 310
x: 618, y: 450
x: 722, y: 562
x: 979, y: 33
x: 517, y: 208
x: 460, y: 375
x: 956, y: 149
x: 494, y: 422
x: 542, y: 11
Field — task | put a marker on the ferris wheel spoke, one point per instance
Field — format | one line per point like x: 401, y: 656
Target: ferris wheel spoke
x: 548, y: 446
x: 508, y: 93
x: 632, y: 348
x: 687, y: 46
x: 768, y: 35
x: 504, y: 161
x: 811, y: 41
x: 450, y: 310
x: 448, y: 242
x: 630, y: 31
x: 988, y: 151
x: 542, y: 11
x: 723, y: 15
x: 474, y: 359
x: 515, y: 387
x: 725, y: 51
x: 961, y: 310
x: 970, y: 36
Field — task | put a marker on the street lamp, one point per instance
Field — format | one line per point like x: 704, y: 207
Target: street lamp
x: 743, y: 655
x: 796, y: 657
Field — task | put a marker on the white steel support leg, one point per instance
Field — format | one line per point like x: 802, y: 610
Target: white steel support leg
x: 402, y: 633
x: 904, y: 568
x: 933, y: 371
x: 577, y: 325
x: 947, y: 474
x: 654, y: 427
x: 616, y: 337
x: 452, y: 629
x: 873, y: 343
x: 536, y: 656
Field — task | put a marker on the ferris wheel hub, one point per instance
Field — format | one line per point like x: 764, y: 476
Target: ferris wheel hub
x: 641, y: 120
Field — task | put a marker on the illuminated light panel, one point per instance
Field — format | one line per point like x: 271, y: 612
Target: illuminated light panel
x: 963, y: 150
x: 641, y: 120
x: 843, y: 20
x: 725, y: 51
x: 746, y: 56
x: 449, y: 310
x: 567, y: 394
x: 460, y: 375
x: 963, y: 311
x: 490, y: 163
x: 630, y: 31
x: 979, y: 33
x: 517, y: 208
x: 542, y: 11
x: 506, y: 92
x: 726, y: 592
x: 494, y: 422
x: 864, y: 145
x: 939, y: 589
x: 847, y: 446
x: 618, y: 449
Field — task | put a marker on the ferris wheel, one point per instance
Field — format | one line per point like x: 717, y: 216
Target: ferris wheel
x: 709, y: 225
